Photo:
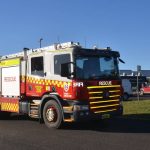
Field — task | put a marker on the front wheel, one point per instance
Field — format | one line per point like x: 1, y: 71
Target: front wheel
x: 52, y: 114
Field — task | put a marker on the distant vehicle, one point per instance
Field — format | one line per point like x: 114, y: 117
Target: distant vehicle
x: 145, y: 89
x: 133, y: 79
x: 126, y: 84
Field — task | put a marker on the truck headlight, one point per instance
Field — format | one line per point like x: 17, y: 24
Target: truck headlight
x: 80, y: 107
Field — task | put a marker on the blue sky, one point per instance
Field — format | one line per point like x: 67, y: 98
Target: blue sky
x: 124, y: 25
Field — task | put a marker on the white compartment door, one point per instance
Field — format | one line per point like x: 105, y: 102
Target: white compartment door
x: 11, y: 81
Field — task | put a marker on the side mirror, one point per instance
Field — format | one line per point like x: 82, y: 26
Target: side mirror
x: 121, y: 61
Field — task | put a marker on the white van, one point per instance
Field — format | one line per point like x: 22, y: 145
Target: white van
x: 126, y: 84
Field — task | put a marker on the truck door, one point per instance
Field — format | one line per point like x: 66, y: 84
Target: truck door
x: 35, y: 76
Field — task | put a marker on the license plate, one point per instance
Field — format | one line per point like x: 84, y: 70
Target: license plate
x: 105, y: 116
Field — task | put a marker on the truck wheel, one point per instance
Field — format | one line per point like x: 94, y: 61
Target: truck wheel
x: 52, y: 114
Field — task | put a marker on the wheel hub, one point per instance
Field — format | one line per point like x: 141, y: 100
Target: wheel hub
x: 51, y: 114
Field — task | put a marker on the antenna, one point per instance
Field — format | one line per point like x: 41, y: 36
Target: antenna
x: 40, y: 41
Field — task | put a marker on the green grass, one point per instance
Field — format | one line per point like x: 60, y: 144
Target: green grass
x: 137, y: 109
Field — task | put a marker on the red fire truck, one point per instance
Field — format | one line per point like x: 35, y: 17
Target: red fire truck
x: 145, y: 89
x: 61, y: 83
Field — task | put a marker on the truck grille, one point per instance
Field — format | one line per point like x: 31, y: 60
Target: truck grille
x: 104, y: 98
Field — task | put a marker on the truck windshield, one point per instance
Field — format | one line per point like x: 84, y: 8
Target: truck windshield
x: 96, y: 67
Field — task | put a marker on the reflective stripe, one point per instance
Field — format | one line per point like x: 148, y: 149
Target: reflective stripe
x: 104, y: 106
x: 68, y: 120
x: 95, y: 92
x: 10, y: 62
x: 114, y: 96
x: 95, y: 97
x: 114, y: 91
x: 95, y: 87
x: 105, y: 111
x: 46, y: 81
x: 10, y: 107
x: 106, y: 101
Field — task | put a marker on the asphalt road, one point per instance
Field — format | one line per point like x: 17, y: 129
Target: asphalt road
x: 20, y: 133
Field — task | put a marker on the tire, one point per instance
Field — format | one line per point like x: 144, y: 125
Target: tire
x: 125, y: 97
x: 52, y: 114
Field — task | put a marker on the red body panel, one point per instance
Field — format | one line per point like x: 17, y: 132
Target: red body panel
x: 75, y: 90
x: 36, y: 87
x: 146, y: 90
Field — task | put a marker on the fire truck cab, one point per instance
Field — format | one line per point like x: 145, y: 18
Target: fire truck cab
x: 61, y: 83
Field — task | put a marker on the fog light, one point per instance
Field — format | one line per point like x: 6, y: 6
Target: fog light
x: 81, y: 114
x: 87, y: 113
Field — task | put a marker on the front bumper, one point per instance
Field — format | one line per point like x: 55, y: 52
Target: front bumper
x: 83, y: 113
x: 87, y: 115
